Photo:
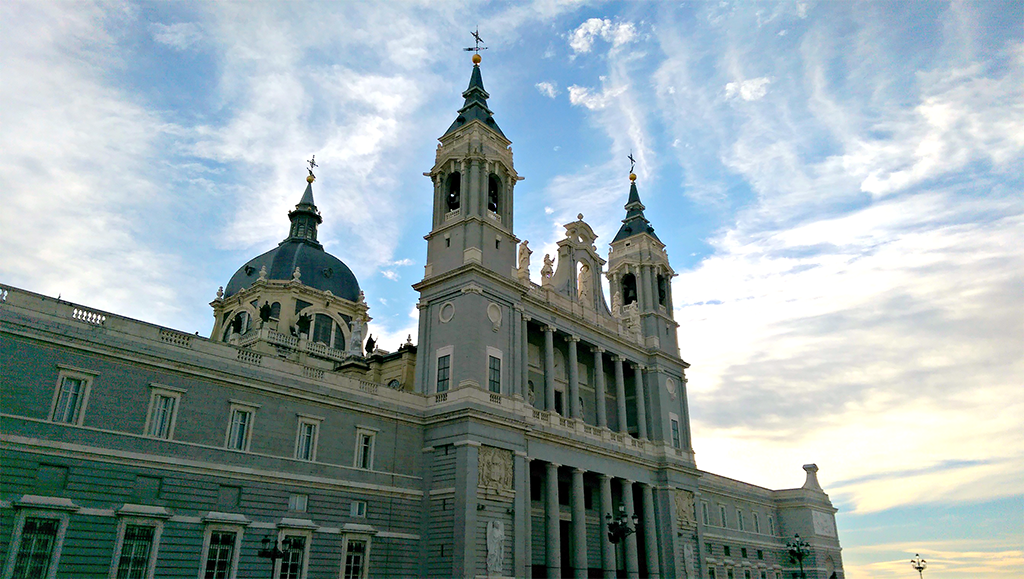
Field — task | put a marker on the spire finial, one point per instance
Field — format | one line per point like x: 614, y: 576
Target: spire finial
x: 477, y: 48
x: 632, y: 164
x: 312, y: 164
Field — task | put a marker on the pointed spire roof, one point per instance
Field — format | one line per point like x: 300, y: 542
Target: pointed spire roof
x: 635, y: 222
x: 305, y: 217
x: 475, y: 106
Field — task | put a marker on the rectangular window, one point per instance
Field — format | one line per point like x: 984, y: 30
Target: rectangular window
x: 162, y: 409
x: 726, y: 551
x: 220, y: 557
x: 294, y: 557
x: 704, y: 514
x: 739, y: 520
x: 69, y: 400
x: 675, y: 434
x: 757, y: 524
x: 364, y: 449
x: 494, y: 374
x: 306, y: 438
x: 746, y: 574
x: 355, y: 559
x: 358, y: 509
x: 136, y: 548
x: 711, y: 573
x: 729, y: 574
x: 764, y: 575
x: 707, y: 547
x: 743, y: 552
x: 760, y: 554
x: 239, y: 428
x: 721, y: 511
x: 771, y: 526
x: 35, y: 553
x: 298, y: 503
x: 443, y: 369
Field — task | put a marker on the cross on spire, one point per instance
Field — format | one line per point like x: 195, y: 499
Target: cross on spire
x: 632, y: 162
x: 312, y: 164
x: 478, y: 40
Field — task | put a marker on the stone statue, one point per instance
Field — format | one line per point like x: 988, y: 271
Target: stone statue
x: 583, y: 284
x: 524, y: 261
x: 371, y: 345
x: 547, y: 270
x: 355, y: 344
x: 265, y: 312
x: 617, y: 305
x: 495, y: 547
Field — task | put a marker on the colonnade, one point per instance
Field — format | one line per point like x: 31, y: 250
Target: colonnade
x: 625, y: 555
x: 522, y: 370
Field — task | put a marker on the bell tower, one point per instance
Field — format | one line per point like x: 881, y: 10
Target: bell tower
x: 640, y: 277
x: 473, y: 178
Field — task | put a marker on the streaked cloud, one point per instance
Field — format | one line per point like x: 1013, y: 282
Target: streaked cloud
x: 179, y: 36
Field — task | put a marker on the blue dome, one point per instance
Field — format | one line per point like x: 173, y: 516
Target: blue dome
x: 318, y: 269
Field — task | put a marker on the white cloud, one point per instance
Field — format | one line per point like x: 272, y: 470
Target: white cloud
x: 402, y: 262
x: 581, y: 40
x: 180, y: 36
x: 548, y: 89
x: 585, y: 97
x: 390, y: 274
x: 748, y: 90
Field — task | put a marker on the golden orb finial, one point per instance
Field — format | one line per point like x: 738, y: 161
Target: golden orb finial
x: 310, y: 179
x: 632, y: 176
x: 476, y: 59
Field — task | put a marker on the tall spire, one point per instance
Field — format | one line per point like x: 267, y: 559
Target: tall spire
x: 305, y: 217
x: 635, y: 222
x: 475, y: 106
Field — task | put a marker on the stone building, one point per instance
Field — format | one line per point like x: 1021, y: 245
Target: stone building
x: 527, y: 421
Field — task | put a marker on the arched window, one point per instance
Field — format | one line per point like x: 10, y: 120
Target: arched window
x: 454, y: 188
x: 628, y: 289
x: 240, y: 324
x: 662, y: 290
x: 493, y: 193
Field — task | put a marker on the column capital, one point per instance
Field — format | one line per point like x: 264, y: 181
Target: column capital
x: 579, y: 470
x: 552, y: 465
x: 519, y: 308
x: 604, y: 476
x: 597, y: 349
x: 572, y: 338
x: 616, y: 358
x: 548, y: 328
x: 636, y: 365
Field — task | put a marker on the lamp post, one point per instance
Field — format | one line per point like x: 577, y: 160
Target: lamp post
x: 619, y: 529
x: 919, y: 565
x: 273, y: 551
x: 798, y: 549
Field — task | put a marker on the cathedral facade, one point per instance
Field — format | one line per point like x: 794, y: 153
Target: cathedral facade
x: 536, y: 428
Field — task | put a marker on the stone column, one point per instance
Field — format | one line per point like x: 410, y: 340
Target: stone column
x: 526, y: 504
x: 620, y: 394
x: 653, y: 276
x: 632, y: 558
x: 517, y: 355
x: 549, y: 368
x: 525, y: 368
x: 641, y: 405
x: 470, y: 192
x: 643, y: 288
x: 650, y: 533
x: 424, y: 360
x: 608, y: 560
x: 599, y: 386
x: 553, y: 522
x: 579, y: 526
x: 574, y: 378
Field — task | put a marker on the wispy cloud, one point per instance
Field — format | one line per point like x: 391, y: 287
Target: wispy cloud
x: 748, y: 90
x: 548, y: 89
x: 180, y: 36
x: 581, y: 40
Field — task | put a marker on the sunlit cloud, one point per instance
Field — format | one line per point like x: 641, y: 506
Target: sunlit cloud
x: 581, y: 40
x: 548, y: 89
x: 748, y: 90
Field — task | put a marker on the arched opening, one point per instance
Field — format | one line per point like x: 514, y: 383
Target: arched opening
x: 628, y: 289
x: 662, y: 290
x: 494, y: 193
x: 454, y: 189
x: 240, y: 324
x: 326, y: 331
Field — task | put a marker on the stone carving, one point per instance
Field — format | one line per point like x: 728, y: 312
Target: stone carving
x: 684, y: 508
x: 524, y: 261
x: 371, y: 345
x: 220, y: 293
x: 355, y: 344
x: 296, y: 274
x: 617, y: 305
x: 495, y: 468
x: 263, y: 273
x: 494, y: 314
x: 495, y: 547
x: 631, y: 321
x: 547, y: 270
x: 583, y: 284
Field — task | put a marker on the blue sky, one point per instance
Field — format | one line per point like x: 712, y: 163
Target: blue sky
x: 839, y: 186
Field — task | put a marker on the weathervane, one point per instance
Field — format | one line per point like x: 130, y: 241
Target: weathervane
x: 477, y: 48
x: 632, y: 164
x: 312, y: 164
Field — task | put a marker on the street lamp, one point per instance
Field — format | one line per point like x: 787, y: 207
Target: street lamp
x: 798, y: 549
x: 919, y: 564
x: 619, y: 529
x: 274, y: 551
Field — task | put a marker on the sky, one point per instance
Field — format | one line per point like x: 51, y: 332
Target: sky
x: 838, y: 184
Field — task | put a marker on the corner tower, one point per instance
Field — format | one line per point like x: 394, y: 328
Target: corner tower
x: 640, y: 277
x: 473, y: 178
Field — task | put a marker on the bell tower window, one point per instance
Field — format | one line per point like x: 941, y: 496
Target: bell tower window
x: 662, y: 290
x: 454, y: 189
x: 493, y: 193
x: 628, y: 289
